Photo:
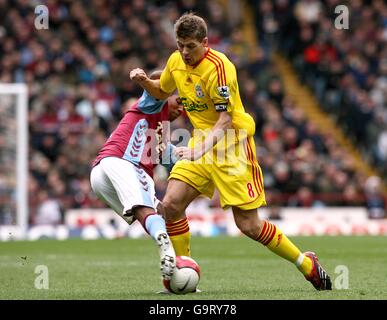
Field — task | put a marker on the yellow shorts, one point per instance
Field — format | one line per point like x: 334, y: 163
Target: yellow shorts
x: 238, y: 177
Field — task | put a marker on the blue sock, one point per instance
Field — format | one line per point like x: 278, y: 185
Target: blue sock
x: 155, y: 224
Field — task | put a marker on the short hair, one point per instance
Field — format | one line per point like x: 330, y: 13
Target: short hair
x: 192, y: 26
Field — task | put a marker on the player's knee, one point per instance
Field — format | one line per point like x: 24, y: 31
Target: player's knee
x: 172, y: 210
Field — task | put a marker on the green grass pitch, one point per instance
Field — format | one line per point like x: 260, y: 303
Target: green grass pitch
x: 232, y: 268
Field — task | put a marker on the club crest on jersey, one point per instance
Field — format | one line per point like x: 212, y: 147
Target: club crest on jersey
x: 198, y: 90
x: 224, y: 92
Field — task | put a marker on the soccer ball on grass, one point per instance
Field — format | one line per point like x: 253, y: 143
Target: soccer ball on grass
x: 186, y: 276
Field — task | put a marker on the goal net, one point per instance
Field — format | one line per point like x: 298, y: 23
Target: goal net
x: 13, y: 160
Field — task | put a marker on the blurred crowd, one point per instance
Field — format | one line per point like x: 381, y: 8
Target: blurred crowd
x: 347, y: 70
x: 79, y: 88
x: 344, y: 62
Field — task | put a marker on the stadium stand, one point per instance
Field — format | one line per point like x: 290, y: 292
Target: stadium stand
x: 77, y: 73
x: 346, y: 72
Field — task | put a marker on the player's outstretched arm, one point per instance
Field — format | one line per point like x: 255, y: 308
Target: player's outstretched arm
x: 151, y: 86
x: 216, y: 134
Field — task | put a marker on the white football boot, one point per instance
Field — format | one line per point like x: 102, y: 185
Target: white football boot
x: 167, y: 255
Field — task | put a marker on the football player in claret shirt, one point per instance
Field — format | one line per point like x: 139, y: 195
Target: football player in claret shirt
x: 207, y: 84
x: 123, y: 169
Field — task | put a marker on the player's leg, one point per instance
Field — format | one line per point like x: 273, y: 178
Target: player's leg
x: 186, y: 181
x: 275, y: 240
x: 243, y: 191
x: 178, y: 196
x: 130, y: 192
x: 154, y: 225
x: 270, y: 236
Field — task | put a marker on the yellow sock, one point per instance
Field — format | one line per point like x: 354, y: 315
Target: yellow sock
x: 273, y: 238
x: 180, y: 236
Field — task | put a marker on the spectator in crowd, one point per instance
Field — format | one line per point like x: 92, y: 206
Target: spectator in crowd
x: 375, y: 200
x: 48, y: 211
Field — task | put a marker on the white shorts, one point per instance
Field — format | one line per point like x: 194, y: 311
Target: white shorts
x: 123, y: 186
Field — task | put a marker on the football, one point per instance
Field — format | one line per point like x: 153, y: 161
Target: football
x: 186, y: 276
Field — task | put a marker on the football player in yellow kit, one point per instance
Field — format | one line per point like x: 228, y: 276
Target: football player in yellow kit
x: 206, y: 81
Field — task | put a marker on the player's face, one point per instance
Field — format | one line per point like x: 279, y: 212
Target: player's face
x: 175, y: 107
x: 192, y: 50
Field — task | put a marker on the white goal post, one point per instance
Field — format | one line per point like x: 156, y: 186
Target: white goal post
x: 15, y: 95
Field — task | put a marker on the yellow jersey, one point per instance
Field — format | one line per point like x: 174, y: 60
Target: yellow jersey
x: 207, y: 88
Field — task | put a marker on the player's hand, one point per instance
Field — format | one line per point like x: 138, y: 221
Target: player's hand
x: 138, y: 75
x: 188, y: 153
